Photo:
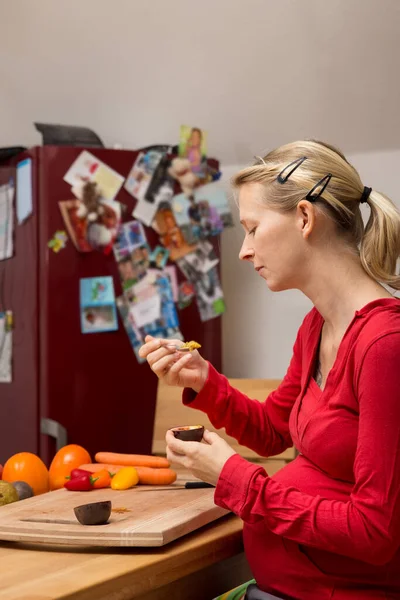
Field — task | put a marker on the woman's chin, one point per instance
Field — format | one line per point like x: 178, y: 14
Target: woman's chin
x: 276, y: 286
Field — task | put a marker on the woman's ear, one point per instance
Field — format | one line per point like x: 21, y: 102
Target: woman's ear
x: 305, y: 217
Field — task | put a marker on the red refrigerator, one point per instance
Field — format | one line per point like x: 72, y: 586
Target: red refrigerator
x: 69, y: 387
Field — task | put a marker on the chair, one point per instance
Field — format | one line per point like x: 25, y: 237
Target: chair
x: 170, y: 412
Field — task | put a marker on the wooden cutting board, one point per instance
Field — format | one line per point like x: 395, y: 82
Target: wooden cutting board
x: 152, y: 516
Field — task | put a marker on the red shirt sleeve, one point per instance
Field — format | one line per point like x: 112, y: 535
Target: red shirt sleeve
x: 367, y: 526
x: 263, y: 427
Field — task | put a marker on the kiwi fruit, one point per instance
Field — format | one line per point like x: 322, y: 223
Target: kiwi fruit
x: 8, y: 493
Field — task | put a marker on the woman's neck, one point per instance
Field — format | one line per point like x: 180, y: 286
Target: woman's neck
x: 341, y: 288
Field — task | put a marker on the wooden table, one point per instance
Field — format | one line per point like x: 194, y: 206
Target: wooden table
x: 197, y: 567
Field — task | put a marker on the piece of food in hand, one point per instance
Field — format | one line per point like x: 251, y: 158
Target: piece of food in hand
x: 189, y: 433
x: 189, y: 346
x: 126, y: 478
x: 132, y: 460
x: 81, y: 483
x: 8, y: 493
x: 96, y: 513
x: 149, y: 476
x: 23, y: 489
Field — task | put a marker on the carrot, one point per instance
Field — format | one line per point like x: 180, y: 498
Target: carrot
x: 132, y: 460
x: 150, y: 476
x: 95, y: 467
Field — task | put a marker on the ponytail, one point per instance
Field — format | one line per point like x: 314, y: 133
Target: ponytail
x: 380, y: 243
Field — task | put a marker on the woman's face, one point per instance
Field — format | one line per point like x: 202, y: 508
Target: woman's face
x: 275, y: 242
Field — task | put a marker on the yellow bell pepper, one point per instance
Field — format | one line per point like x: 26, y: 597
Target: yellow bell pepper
x: 125, y: 479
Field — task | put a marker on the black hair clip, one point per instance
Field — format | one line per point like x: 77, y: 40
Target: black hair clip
x: 313, y: 196
x: 295, y: 164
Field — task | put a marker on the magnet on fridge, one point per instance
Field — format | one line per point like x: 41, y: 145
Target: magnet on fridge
x: 58, y: 241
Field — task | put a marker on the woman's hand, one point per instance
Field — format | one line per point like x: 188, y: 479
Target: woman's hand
x: 182, y: 369
x: 205, y: 461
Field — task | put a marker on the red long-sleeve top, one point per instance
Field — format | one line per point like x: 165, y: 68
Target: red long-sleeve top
x: 328, y: 524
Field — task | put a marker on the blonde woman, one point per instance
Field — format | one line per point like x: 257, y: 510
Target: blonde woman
x: 328, y: 524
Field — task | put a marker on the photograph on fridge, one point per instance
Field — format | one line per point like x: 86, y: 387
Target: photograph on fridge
x: 152, y: 308
x: 127, y: 272
x: 193, y: 146
x: 203, y: 258
x: 170, y: 271
x: 130, y: 235
x: 138, y: 184
x: 141, y: 257
x: 141, y: 173
x: 142, y: 290
x: 209, y: 294
x: 159, y: 257
x: 97, y: 305
x: 171, y: 235
x: 205, y: 213
x: 161, y: 186
x: 186, y: 294
x: 133, y: 335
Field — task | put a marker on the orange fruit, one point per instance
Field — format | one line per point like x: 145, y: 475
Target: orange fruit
x: 67, y: 458
x: 27, y: 467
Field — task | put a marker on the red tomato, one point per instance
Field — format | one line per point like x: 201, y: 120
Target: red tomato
x: 27, y: 467
x: 67, y: 458
x: 1, y: 470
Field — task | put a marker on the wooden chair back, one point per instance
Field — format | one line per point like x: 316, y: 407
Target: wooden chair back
x: 170, y: 412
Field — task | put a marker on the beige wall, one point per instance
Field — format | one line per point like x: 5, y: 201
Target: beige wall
x: 259, y: 326
x: 254, y: 73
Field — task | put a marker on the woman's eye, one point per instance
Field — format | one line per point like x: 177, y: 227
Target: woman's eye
x: 252, y: 232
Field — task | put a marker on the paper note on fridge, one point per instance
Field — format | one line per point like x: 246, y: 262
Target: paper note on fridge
x: 24, y: 189
x: 5, y: 347
x: 88, y: 167
x: 6, y: 220
x: 146, y: 311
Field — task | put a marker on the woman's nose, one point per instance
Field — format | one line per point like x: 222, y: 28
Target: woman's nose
x: 246, y: 253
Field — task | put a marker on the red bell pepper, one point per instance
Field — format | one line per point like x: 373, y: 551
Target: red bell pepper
x: 78, y: 473
x: 82, y: 483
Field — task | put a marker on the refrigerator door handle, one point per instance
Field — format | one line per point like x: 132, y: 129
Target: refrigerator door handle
x: 54, y: 430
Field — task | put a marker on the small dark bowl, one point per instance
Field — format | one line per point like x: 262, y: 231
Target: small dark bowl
x: 189, y: 433
x: 96, y: 513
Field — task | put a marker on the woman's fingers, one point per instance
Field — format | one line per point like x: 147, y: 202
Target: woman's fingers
x: 179, y: 364
x: 178, y: 459
x: 175, y: 445
x: 163, y: 364
x: 152, y: 344
x: 156, y: 355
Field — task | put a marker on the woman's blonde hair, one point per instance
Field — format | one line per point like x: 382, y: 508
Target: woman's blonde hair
x: 378, y: 243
